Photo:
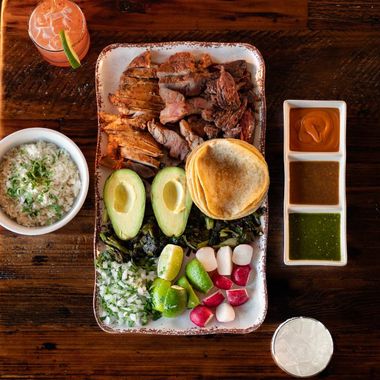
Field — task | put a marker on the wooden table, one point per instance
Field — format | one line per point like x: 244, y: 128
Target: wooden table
x: 321, y: 49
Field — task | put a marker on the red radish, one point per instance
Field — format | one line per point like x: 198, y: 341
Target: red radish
x: 224, y: 260
x: 240, y: 274
x: 222, y: 282
x: 242, y: 254
x: 214, y: 299
x: 225, y: 312
x: 237, y: 297
x: 206, y: 256
x: 201, y: 315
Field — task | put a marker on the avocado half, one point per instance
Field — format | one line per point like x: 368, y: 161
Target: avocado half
x: 171, y: 200
x: 124, y: 198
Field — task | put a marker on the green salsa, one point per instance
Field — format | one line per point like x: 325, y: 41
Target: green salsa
x: 314, y: 236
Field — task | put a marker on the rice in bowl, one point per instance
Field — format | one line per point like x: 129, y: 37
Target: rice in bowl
x: 39, y: 183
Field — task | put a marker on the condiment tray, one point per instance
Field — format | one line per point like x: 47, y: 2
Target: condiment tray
x: 339, y: 208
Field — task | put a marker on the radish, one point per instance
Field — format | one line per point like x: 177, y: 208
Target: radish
x: 237, y: 297
x: 214, y: 299
x: 224, y: 260
x: 225, y: 313
x: 240, y: 274
x: 242, y: 254
x: 222, y: 282
x: 206, y: 256
x: 201, y: 315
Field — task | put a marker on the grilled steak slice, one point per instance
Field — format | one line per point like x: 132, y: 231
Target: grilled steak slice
x: 189, y: 85
x: 228, y: 119
x: 174, y: 112
x: 170, y: 96
x: 204, y: 61
x: 142, y: 60
x: 211, y: 131
x: 226, y: 93
x: 178, y: 64
x: 192, y: 139
x: 197, y: 124
x: 170, y: 139
x: 247, y: 125
x: 236, y: 68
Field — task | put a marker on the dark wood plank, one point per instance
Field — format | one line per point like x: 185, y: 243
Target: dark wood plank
x: 178, y: 15
x: 343, y: 15
x: 47, y: 328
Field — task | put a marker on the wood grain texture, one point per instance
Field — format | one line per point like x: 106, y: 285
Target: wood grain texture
x: 176, y: 15
x: 47, y: 328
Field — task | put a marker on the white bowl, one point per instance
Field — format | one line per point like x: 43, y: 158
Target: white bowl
x: 33, y: 134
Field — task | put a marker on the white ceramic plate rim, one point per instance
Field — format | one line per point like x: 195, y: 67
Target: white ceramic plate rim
x: 102, y: 92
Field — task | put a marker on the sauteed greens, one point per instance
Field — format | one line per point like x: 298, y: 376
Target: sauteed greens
x: 200, y: 231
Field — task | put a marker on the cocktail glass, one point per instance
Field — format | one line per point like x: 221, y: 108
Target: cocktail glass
x: 45, y: 23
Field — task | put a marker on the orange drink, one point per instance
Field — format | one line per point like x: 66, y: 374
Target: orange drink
x: 45, y: 23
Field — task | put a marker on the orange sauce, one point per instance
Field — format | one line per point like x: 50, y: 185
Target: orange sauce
x: 314, y: 129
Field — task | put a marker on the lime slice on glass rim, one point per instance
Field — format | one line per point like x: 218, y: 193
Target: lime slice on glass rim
x: 71, y: 55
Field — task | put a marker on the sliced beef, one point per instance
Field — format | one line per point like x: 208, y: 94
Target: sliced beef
x: 211, y: 132
x: 176, y: 111
x: 247, y: 125
x: 197, y: 124
x: 228, y: 119
x: 142, y: 60
x: 139, y: 93
x: 189, y: 85
x: 226, y: 93
x: 134, y: 104
x: 136, y: 155
x: 236, y: 68
x: 178, y: 64
x: 192, y: 138
x: 177, y: 146
x: 205, y: 61
x: 170, y: 96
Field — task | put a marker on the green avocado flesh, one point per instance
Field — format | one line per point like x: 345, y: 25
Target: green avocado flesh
x: 171, y: 200
x: 124, y: 198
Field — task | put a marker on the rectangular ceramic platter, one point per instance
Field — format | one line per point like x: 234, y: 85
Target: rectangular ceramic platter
x: 111, y: 63
x: 340, y: 157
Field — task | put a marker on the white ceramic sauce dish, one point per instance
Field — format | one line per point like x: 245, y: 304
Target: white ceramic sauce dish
x: 339, y: 156
x: 35, y: 134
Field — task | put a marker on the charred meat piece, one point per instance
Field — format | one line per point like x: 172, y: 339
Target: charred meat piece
x: 133, y: 103
x: 170, y: 139
x: 236, y: 68
x: 226, y: 92
x: 178, y: 64
x: 189, y: 85
x: 198, y: 125
x: 205, y: 61
x: 142, y: 170
x: 228, y: 119
x: 141, y: 72
x: 174, y: 112
x: 142, y: 60
x: 192, y: 139
x: 170, y: 96
x: 247, y: 125
x: 211, y: 132
x: 124, y: 122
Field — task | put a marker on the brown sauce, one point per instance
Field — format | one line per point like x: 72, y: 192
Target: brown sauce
x: 314, y: 182
x: 314, y: 129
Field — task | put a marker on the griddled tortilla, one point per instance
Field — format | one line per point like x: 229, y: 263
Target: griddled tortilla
x: 228, y: 178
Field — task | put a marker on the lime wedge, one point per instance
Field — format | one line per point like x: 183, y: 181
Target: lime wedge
x: 175, y: 301
x: 170, y: 262
x: 192, y: 298
x: 71, y: 55
x: 158, y: 292
x: 198, y: 277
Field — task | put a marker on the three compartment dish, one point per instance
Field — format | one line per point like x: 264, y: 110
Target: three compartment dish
x: 315, y: 190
